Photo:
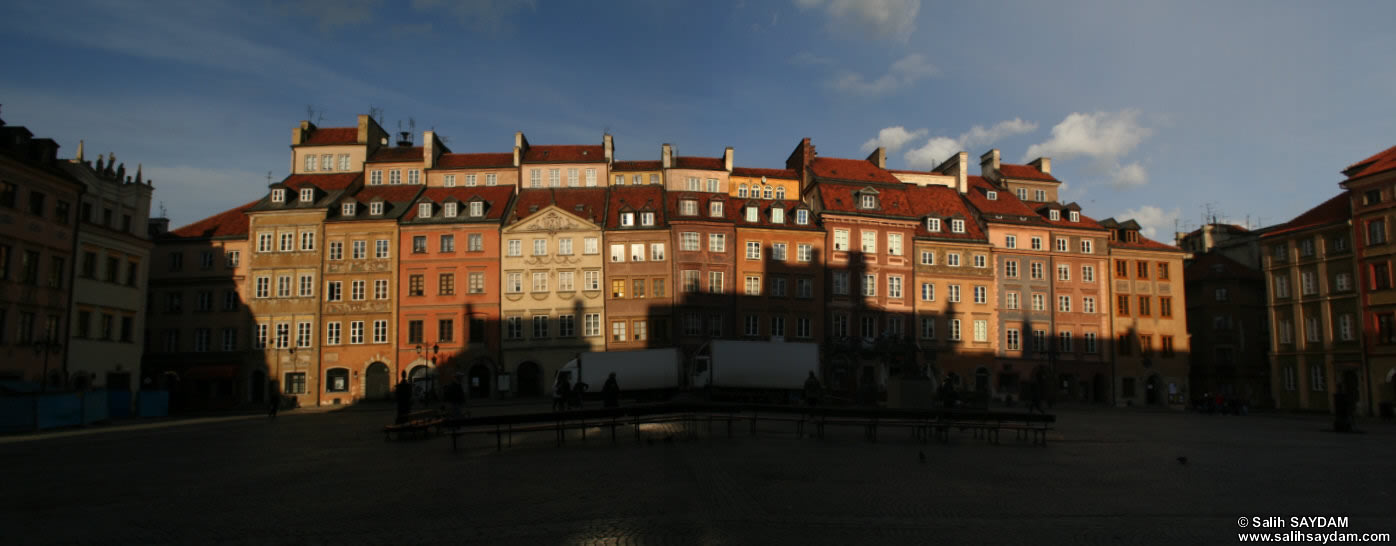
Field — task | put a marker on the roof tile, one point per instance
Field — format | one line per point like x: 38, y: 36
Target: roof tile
x: 229, y: 223
x: 856, y: 170
x: 401, y: 154
x: 1336, y: 209
x: 1024, y: 172
x: 332, y: 136
x: 892, y: 201
x: 475, y: 161
x: 565, y: 154
x: 944, y: 202
x: 635, y: 198
x: 591, y: 201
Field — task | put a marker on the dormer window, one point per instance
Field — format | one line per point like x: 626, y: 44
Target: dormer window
x: 802, y: 217
x: 1075, y: 216
x: 647, y: 218
x: 777, y: 215
x: 347, y: 209
x: 933, y: 225
x: 278, y: 195
x: 867, y: 201
x: 477, y: 209
x: 715, y: 209
x: 688, y: 207
x: 424, y: 210
x: 627, y: 219
x: 376, y: 208
x: 1054, y: 215
x: 751, y: 214
x: 448, y: 210
x: 993, y: 195
x: 741, y: 191
x: 957, y: 226
x: 307, y: 195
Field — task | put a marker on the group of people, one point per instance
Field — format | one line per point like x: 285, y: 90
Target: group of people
x: 568, y: 396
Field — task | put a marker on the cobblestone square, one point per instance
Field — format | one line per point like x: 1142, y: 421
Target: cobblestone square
x: 1106, y: 477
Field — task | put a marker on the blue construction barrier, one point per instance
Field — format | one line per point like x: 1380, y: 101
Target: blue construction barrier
x: 119, y: 403
x: 16, y: 413
x: 60, y: 410
x: 154, y: 403
x: 94, y: 407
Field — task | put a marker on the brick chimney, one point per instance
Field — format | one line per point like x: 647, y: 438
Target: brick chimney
x: 432, y: 148
x: 666, y: 156
x: 800, y: 160
x: 879, y: 157
x: 609, y: 145
x: 1043, y: 164
x: 302, y: 133
x: 727, y: 158
x: 958, y: 166
x: 989, y: 164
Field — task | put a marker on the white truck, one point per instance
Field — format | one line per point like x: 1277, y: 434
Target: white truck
x: 768, y: 370
x: 645, y: 373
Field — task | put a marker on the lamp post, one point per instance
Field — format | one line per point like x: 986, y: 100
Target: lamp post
x: 430, y: 353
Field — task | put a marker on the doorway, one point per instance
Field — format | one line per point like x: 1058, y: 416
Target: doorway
x: 478, y: 381
x: 530, y: 378
x: 376, y: 382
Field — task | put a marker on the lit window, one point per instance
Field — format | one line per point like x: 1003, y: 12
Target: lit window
x: 424, y: 210
x: 278, y: 196
x: 933, y: 225
x: 307, y: 195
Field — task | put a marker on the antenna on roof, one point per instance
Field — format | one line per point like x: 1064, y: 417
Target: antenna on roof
x: 268, y: 178
x: 162, y: 210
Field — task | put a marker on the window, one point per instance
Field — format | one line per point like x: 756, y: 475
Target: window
x: 952, y: 259
x: 283, y: 286
x: 688, y: 207
x: 375, y: 208
x: 617, y: 253
x: 1282, y: 281
x: 1063, y: 272
x: 715, y: 282
x: 867, y: 201
x: 753, y: 326
x: 753, y: 285
x: 753, y: 250
x: 1013, y: 341
x: 540, y: 281
x: 1010, y: 300
x: 1022, y: 194
x: 1063, y: 245
x: 801, y: 217
x: 1221, y: 294
x: 657, y: 252
x: 360, y: 250
x: 1376, y: 232
x: 869, y: 242
x: 416, y: 286
x: 928, y: 327
x: 380, y: 331
x: 1010, y: 269
x: 928, y: 257
x: 591, y: 324
x: 957, y: 226
x: 980, y: 261
x: 894, y: 244
x: 840, y: 239
x: 1165, y: 306
x: 894, y: 287
x: 981, y: 294
x: 1039, y: 195
x: 357, y: 290
x: 1087, y: 304
x: 288, y: 242
x: 1036, y: 271
x: 870, y: 285
x: 715, y: 211
x: 992, y: 195
x: 1121, y: 269
x: 1064, y: 342
x: 1039, y: 302
x: 332, y: 290
x: 307, y: 286
x: 1122, y: 305
x: 1381, y: 279
x: 1342, y: 282
x: 688, y: 241
x: 1345, y: 332
x: 446, y: 284
x: 1036, y: 243
x: 1141, y: 269
x: 1054, y: 215
x: 1086, y: 245
x: 618, y: 288
x: 1386, y: 334
x: 777, y: 215
x: 555, y: 178
x: 513, y: 326
x: 424, y: 210
x: 627, y: 219
x: 591, y: 280
x: 1010, y: 241
x: 278, y: 195
x: 414, y: 331
x: 954, y: 293
x: 840, y: 283
x: 380, y: 248
x: 955, y: 329
x: 540, y: 247
x: 1074, y: 216
x: 395, y: 176
x: 535, y: 178
x: 717, y: 242
x: 380, y: 289
x: 476, y: 282
x: 1087, y: 273
x: 419, y: 244
x: 303, y: 334
x: 1311, y: 330
x: 307, y: 195
x: 1064, y: 304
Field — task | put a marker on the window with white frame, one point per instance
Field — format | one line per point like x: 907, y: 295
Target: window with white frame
x: 801, y: 216
x: 715, y: 285
x: 424, y: 210
x: 333, y: 290
x: 564, y: 246
x: 307, y: 240
x: 717, y: 242
x: 778, y: 251
x: 637, y: 252
x: 894, y: 244
x: 840, y: 283
x: 591, y: 280
x: 554, y: 178
x: 1342, y: 282
x: 283, y: 286
x: 395, y: 176
x: 380, y: 248
x: 928, y: 257
x: 869, y: 242
x: 1010, y: 300
x: 311, y: 161
x: 1040, y: 195
x: 981, y: 261
x: 777, y: 215
x: 804, y: 252
x: 491, y: 179
x: 957, y: 226
x: 1036, y: 243
x: 566, y: 281
x: 1345, y: 332
x: 1039, y: 302
x: 380, y: 331
x: 307, y: 286
x: 1013, y: 339
x: 753, y: 285
x: 449, y: 180
x: 356, y: 290
x: 1010, y: 241
x: 1037, y: 271
x: 591, y: 245
x: 981, y: 294
x: 307, y: 195
x: 332, y: 333
x: 712, y: 185
x: 288, y: 242
x: 804, y: 288
x: 751, y: 213
x: 513, y: 247
x: 627, y: 219
x: 867, y: 201
x: 375, y: 208
x: 688, y: 207
x: 535, y: 178
x: 753, y: 250
x: 375, y: 178
x: 688, y: 241
x: 840, y: 239
x: 513, y: 283
x: 955, y: 329
x: 933, y: 225
x: 1089, y: 342
x: 1088, y: 304
x: 870, y: 285
x: 1054, y: 215
x: 1010, y: 269
x: 264, y: 242
x: 1074, y: 216
x: 1062, y: 244
x: 954, y: 293
x: 263, y: 287
x: 1063, y: 272
x: 1087, y: 247
x: 1064, y: 304
x: 356, y: 332
x: 347, y: 209
x: 1087, y: 273
x: 647, y: 219
x: 894, y: 286
x: 715, y: 210
x: 928, y: 291
x: 691, y: 184
x: 952, y: 259
x: 981, y: 330
x: 617, y: 253
x: 573, y: 177
x: 343, y: 162
x: 657, y: 252
x: 540, y: 281
x: 928, y: 328
x: 303, y: 334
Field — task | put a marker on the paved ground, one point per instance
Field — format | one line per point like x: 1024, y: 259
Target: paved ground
x: 1108, y: 477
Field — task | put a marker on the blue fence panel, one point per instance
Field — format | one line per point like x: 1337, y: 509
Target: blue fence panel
x: 60, y: 410
x: 154, y: 403
x: 94, y: 407
x: 119, y: 403
x: 16, y: 413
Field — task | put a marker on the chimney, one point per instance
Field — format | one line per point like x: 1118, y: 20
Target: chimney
x: 666, y: 156
x: 879, y: 157
x: 157, y: 227
x: 430, y: 149
x: 300, y: 134
x: 727, y: 159
x: 520, y: 141
x: 800, y: 160
x: 78, y: 158
x: 609, y: 146
x: 138, y: 173
x: 989, y: 164
x: 1043, y: 164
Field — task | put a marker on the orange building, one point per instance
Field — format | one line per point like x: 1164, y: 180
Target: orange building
x: 779, y: 268
x: 703, y: 240
x: 360, y: 302
x: 639, y: 279
x: 451, y: 238
x: 1150, y: 327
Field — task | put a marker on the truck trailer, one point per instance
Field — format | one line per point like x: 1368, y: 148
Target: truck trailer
x: 648, y: 373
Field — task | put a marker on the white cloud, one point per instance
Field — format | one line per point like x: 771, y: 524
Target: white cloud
x: 1103, y: 137
x: 893, y: 138
x: 938, y: 149
x: 1152, y: 221
x: 904, y: 72
x: 879, y: 19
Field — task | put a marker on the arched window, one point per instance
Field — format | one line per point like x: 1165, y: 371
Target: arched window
x: 741, y: 190
x: 780, y: 192
x: 337, y: 380
x: 766, y: 194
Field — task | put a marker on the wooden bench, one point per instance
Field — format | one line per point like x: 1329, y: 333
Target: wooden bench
x: 416, y: 422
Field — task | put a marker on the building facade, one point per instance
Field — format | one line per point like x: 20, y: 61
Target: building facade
x: 1372, y: 200
x: 639, y: 279
x: 1148, y: 304
x: 1226, y: 314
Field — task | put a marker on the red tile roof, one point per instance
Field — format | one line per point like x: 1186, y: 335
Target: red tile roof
x: 402, y: 154
x: 788, y: 174
x: 1382, y: 162
x: 763, y: 219
x: 332, y: 136
x: 1006, y: 204
x: 943, y: 202
x: 1335, y: 210
x: 496, y: 200
x: 635, y: 198
x: 592, y: 203
x: 1024, y: 172
x: 856, y: 170
x: 324, y: 182
x: 1144, y: 243
x: 474, y: 161
x: 892, y: 201
x: 230, y: 223
x: 704, y: 163
x: 391, y: 194
x: 1064, y: 220
x: 565, y: 154
x: 636, y: 166
x: 703, y: 198
x: 1215, y: 266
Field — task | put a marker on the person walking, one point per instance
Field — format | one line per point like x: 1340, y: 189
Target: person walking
x: 575, y: 399
x: 812, y: 388
x: 275, y: 402
x: 561, y: 390
x: 403, y: 394
x: 455, y: 395
x: 610, y: 392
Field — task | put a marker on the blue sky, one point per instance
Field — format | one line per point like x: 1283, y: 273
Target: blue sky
x: 1149, y: 110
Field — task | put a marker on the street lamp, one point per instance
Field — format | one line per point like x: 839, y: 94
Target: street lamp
x: 431, y: 353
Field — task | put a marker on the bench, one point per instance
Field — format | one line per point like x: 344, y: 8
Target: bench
x: 416, y: 422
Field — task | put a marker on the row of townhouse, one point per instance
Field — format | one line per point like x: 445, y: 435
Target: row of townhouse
x: 371, y: 260
x: 74, y: 253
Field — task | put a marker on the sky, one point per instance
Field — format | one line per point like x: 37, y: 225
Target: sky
x: 1157, y: 111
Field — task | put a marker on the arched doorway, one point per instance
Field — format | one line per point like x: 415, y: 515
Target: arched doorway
x: 530, y: 379
x: 377, y: 381
x: 478, y: 380
x: 1152, y: 390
